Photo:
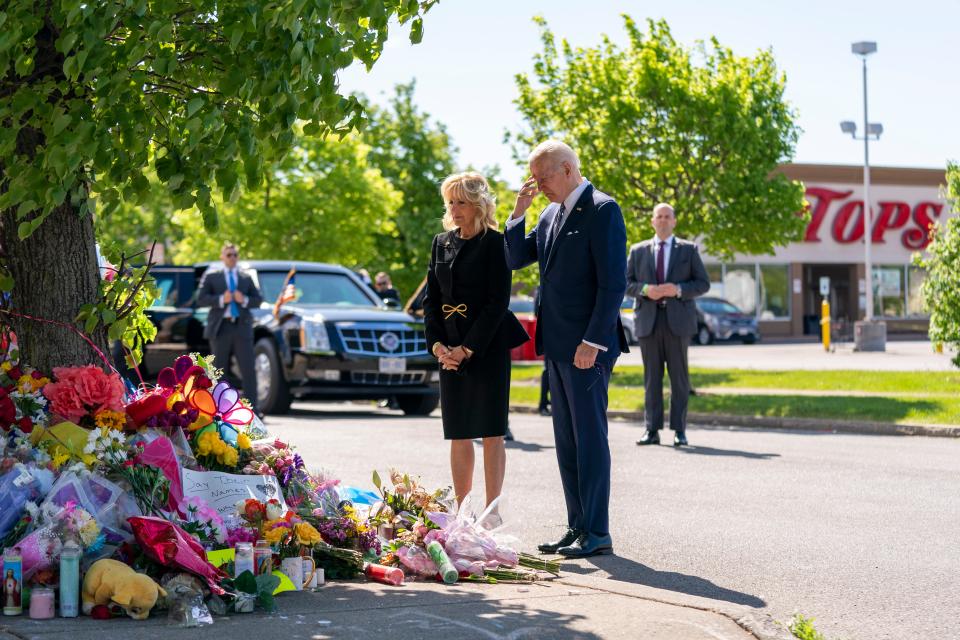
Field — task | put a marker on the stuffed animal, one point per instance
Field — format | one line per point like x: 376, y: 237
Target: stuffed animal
x: 111, y: 581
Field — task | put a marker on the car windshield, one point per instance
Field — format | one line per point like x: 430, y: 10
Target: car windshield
x: 718, y: 306
x: 315, y: 288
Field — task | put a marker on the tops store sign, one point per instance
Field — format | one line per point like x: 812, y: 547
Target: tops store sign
x: 837, y: 213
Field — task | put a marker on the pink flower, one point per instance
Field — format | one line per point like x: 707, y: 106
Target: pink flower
x: 100, y: 390
x: 64, y: 400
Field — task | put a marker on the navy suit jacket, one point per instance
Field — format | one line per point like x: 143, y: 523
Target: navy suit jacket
x: 582, y: 279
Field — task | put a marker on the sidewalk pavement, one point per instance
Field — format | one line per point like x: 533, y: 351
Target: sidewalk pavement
x: 572, y: 606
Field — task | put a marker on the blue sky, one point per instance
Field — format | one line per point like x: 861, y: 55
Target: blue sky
x: 471, y: 51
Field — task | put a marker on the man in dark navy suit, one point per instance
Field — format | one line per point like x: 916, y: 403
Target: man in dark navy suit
x: 580, y: 245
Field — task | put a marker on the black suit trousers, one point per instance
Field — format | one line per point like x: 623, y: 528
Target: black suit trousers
x: 661, y: 348
x: 236, y: 339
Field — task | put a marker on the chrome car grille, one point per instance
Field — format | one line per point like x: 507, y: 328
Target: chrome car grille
x: 376, y: 339
x: 386, y: 379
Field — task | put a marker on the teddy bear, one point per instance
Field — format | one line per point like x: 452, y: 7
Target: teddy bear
x: 111, y: 581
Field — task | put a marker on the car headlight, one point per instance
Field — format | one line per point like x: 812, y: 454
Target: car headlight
x: 314, y: 337
x: 711, y: 321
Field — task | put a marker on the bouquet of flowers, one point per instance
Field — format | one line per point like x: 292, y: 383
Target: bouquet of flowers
x: 348, y: 529
x: 285, y: 529
x: 114, y: 458
x: 203, y: 522
x: 406, y: 502
x: 86, y: 396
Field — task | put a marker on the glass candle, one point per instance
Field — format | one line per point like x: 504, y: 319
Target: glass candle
x: 386, y: 575
x: 70, y: 579
x: 41, y: 603
x: 12, y: 582
x: 243, y: 558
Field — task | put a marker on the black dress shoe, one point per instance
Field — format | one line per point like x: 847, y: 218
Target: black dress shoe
x: 568, y: 538
x: 587, y: 545
x: 649, y: 437
x: 545, y: 411
x: 680, y: 439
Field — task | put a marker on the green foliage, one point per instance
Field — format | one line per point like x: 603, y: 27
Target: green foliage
x: 941, y: 287
x: 698, y: 127
x: 414, y: 154
x: 323, y: 202
x: 202, y: 94
x: 121, y: 305
x: 802, y: 629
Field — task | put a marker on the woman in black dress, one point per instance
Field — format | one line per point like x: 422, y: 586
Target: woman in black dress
x: 471, y: 331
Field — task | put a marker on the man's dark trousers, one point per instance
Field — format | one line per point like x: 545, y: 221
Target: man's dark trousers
x: 237, y: 338
x: 579, y: 401
x: 659, y: 348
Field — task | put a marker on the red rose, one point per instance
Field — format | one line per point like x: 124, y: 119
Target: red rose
x: 145, y: 407
x: 8, y: 412
x: 254, y: 509
x: 25, y: 425
x: 203, y: 382
x: 15, y: 373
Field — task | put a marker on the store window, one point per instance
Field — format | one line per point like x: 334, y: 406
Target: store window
x: 774, y: 292
x: 915, y: 277
x: 889, y: 294
x: 740, y: 286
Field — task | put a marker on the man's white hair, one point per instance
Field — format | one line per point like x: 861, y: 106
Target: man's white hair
x: 664, y: 205
x: 556, y: 151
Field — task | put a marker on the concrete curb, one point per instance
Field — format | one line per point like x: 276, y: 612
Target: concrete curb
x: 759, y: 624
x: 797, y: 424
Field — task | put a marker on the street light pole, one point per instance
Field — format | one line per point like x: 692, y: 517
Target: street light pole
x: 867, y: 216
x: 869, y: 335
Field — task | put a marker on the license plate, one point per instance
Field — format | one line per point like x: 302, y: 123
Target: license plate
x: 393, y: 365
x: 744, y: 332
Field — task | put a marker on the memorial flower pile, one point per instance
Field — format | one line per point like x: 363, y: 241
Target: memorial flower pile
x: 152, y: 478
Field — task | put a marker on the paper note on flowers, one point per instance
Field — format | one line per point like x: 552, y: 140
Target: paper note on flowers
x: 222, y: 491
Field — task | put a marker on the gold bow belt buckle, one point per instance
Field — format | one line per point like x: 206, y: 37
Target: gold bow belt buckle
x: 449, y: 309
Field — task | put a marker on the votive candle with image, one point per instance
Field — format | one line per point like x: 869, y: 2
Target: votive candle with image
x: 12, y: 582
x: 384, y: 574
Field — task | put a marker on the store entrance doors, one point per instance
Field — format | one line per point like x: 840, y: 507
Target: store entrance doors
x: 842, y: 297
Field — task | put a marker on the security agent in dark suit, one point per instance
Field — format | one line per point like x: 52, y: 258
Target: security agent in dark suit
x: 230, y: 293
x: 665, y: 274
x: 580, y: 245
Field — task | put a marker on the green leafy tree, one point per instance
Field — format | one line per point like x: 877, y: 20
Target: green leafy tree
x: 415, y: 154
x: 655, y: 121
x: 323, y: 202
x: 96, y: 96
x: 941, y: 287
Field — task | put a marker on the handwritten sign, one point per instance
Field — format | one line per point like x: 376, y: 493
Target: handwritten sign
x: 222, y: 491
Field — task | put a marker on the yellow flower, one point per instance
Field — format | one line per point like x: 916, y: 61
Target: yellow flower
x: 29, y: 384
x: 59, y: 459
x: 306, y: 534
x: 229, y: 457
x: 243, y: 441
x: 275, y: 535
x: 6, y: 366
x: 107, y: 419
x: 204, y: 444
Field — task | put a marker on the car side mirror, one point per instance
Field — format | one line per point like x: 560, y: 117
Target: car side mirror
x: 391, y: 303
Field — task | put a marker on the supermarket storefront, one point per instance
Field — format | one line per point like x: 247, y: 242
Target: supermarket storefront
x: 783, y: 290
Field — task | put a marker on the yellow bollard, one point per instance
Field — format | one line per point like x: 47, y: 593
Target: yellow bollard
x: 825, y: 324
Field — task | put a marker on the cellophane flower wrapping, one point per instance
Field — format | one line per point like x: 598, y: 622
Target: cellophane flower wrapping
x: 171, y: 546
x: 472, y: 542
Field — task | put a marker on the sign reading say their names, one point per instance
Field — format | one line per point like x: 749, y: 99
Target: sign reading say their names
x: 222, y: 491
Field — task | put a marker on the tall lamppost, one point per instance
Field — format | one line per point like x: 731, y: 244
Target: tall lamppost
x: 869, y: 335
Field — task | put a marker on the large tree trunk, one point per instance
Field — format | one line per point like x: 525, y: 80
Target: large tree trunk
x: 55, y: 271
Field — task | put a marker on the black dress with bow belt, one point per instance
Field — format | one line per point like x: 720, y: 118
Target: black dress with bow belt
x: 468, y: 292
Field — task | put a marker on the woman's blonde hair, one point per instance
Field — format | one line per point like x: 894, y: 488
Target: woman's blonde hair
x: 471, y: 187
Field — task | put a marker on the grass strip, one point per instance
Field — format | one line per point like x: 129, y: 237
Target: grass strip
x: 940, y: 382
x: 900, y: 409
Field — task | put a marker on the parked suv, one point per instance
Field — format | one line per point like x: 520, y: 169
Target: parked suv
x: 335, y: 340
x: 719, y: 319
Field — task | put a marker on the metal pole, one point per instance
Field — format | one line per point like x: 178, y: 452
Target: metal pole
x: 867, y: 217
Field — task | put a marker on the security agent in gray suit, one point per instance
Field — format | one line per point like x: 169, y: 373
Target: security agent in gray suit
x: 230, y: 293
x: 664, y: 275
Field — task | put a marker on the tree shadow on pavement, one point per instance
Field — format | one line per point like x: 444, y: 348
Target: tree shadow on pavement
x: 711, y: 451
x: 461, y: 612
x: 626, y: 570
